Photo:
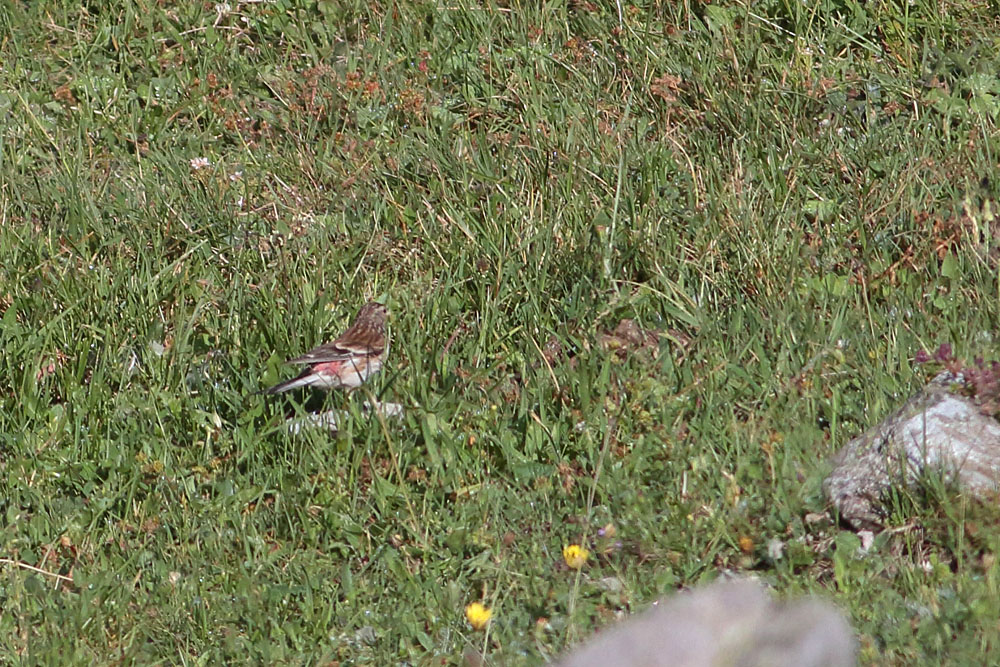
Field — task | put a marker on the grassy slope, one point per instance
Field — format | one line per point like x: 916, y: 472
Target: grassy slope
x: 794, y: 196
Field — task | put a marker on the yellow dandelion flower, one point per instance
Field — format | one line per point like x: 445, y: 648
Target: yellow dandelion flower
x: 477, y: 615
x: 575, y: 556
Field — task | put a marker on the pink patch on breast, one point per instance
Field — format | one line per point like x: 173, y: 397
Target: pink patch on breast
x: 331, y: 367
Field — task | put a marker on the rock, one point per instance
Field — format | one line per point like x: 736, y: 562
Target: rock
x: 937, y: 430
x: 332, y: 419
x: 728, y: 623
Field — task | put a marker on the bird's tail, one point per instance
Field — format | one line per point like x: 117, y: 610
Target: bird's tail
x: 303, y: 380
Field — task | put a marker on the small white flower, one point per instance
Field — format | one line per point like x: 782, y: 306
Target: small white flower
x: 775, y: 548
x: 199, y: 163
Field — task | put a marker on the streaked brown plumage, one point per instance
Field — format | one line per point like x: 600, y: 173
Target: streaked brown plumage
x: 348, y: 361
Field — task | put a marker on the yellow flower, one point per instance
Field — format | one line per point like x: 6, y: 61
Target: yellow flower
x: 575, y: 555
x: 477, y: 615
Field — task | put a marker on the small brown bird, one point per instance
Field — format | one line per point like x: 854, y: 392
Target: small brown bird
x: 349, y: 360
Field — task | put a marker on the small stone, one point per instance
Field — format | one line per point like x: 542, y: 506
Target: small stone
x: 813, y: 518
x: 610, y: 584
x: 366, y: 635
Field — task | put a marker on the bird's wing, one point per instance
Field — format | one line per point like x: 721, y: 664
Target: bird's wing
x: 363, y: 342
x: 338, y: 350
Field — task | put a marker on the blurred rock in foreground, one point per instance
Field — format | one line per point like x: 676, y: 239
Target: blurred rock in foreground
x: 731, y: 624
x: 938, y: 431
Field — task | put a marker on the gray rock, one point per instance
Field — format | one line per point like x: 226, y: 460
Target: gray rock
x: 937, y: 430
x: 332, y: 419
x: 728, y: 624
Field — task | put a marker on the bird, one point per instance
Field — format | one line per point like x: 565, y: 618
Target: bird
x: 348, y: 361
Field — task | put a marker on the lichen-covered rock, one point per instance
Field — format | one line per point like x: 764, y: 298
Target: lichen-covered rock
x: 727, y: 623
x: 936, y: 430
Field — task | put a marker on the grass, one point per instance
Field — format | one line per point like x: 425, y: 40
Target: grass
x: 792, y: 200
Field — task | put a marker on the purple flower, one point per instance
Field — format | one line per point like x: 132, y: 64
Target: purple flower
x: 943, y: 353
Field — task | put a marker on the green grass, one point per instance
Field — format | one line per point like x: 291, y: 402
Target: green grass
x: 796, y: 197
